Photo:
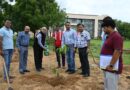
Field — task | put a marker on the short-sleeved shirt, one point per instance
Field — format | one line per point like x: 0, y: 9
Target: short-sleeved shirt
x: 113, y: 42
x: 82, y: 39
x: 7, y: 34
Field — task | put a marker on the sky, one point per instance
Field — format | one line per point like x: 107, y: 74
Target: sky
x: 117, y: 9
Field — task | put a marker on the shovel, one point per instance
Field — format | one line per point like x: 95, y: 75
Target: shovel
x: 9, y: 85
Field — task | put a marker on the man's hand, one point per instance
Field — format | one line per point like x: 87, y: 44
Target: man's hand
x: 75, y: 50
x: 44, y: 48
x: 109, y: 67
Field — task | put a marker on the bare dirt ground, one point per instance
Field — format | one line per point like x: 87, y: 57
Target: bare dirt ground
x: 47, y: 79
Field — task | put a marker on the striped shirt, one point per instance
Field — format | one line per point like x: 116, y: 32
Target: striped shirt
x: 82, y: 39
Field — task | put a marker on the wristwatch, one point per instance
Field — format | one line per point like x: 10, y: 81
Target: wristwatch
x: 111, y: 65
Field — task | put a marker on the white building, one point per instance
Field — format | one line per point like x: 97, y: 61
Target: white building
x: 92, y: 23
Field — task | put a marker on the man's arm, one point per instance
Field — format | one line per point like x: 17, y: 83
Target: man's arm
x: 18, y: 41
x: 75, y: 39
x: 115, y: 57
x: 88, y: 40
x: 63, y: 40
x: 88, y: 43
x: 53, y: 35
x: 118, y: 45
x: 39, y: 37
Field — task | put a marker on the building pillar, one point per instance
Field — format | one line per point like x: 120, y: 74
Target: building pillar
x: 96, y: 28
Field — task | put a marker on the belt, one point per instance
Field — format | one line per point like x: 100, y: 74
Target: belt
x: 24, y: 45
x: 82, y: 47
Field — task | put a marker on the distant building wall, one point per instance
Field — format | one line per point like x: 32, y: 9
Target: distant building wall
x: 92, y: 23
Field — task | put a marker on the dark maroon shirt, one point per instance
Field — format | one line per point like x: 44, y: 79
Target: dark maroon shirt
x: 113, y: 42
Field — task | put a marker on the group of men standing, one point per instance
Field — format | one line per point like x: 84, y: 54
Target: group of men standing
x: 111, y: 48
x: 73, y: 39
x: 22, y: 44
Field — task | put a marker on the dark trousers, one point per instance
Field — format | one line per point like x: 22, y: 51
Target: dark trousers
x: 83, y: 55
x: 58, y: 55
x: 38, y: 55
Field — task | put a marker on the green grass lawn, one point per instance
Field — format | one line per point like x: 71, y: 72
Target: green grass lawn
x: 96, y: 47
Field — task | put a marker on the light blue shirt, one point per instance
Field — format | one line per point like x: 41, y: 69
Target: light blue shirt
x: 82, y: 39
x: 22, y: 39
x: 7, y: 34
x: 39, y: 37
x: 69, y: 37
x: 104, y: 36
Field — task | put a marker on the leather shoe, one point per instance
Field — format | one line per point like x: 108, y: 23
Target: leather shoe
x: 71, y: 72
x: 38, y: 70
x: 81, y: 73
x: 128, y: 77
x: 42, y: 68
x: 26, y: 71
x: 67, y: 70
x: 86, y: 75
x: 22, y: 73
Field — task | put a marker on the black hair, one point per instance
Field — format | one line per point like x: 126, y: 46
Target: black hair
x: 80, y: 24
x: 67, y: 22
x: 107, y: 18
x: 109, y: 22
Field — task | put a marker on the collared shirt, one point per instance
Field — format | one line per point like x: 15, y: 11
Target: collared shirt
x: 69, y: 37
x: 82, y: 39
x: 23, y: 39
x: 113, y: 42
x: 7, y: 34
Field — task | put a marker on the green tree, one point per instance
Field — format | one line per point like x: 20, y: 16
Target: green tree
x: 52, y: 14
x: 1, y: 12
x: 5, y: 11
x: 123, y: 28
x: 35, y: 13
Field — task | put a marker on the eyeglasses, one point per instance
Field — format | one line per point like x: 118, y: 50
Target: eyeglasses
x: 27, y: 29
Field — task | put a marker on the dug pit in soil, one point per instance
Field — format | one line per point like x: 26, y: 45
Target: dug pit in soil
x: 53, y: 81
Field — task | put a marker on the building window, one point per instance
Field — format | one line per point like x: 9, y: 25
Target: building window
x: 99, y: 28
x: 89, y: 26
x: 74, y: 20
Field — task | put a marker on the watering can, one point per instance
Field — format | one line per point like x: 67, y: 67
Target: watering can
x: 46, y: 52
